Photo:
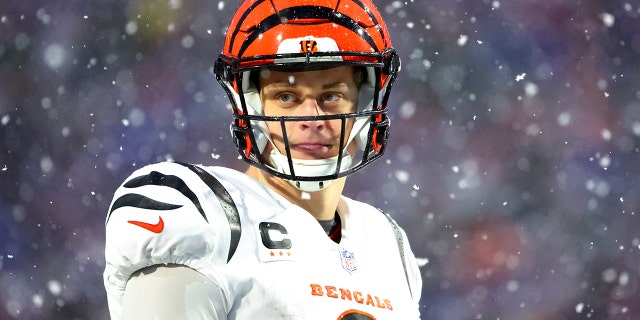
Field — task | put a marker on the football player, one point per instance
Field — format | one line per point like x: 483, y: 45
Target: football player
x: 308, y: 82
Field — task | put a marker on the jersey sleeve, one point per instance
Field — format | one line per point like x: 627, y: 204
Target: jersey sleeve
x: 172, y: 292
x: 162, y: 214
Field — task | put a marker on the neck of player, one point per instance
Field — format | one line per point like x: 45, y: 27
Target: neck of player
x: 322, y: 204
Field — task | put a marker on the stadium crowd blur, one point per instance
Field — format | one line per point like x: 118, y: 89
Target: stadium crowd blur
x: 513, y: 161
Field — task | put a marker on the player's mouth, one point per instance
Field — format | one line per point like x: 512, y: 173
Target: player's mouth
x: 308, y: 151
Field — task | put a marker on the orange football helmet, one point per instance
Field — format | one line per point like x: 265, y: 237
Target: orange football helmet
x: 308, y: 35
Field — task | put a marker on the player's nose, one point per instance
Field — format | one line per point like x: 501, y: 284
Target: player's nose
x: 311, y: 108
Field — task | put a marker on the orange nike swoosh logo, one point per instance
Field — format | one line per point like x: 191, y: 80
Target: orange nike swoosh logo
x: 155, y: 228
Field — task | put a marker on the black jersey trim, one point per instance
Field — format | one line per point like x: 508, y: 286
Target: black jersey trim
x: 228, y: 206
x: 159, y: 179
x: 400, y: 240
x: 140, y: 201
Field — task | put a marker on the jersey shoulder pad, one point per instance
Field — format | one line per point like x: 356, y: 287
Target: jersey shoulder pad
x: 168, y: 213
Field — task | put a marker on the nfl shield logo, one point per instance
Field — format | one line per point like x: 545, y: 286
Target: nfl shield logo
x: 348, y: 260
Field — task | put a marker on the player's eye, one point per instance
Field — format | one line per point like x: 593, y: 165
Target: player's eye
x: 333, y: 101
x: 330, y: 97
x: 286, y: 97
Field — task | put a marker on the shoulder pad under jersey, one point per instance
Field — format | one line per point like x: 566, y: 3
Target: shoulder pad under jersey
x: 170, y: 213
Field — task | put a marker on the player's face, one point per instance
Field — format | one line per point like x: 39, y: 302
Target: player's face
x: 309, y: 93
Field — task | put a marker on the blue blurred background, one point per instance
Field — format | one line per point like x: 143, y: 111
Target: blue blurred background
x: 513, y: 163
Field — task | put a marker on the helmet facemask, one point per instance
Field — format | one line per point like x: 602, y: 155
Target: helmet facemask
x: 369, y: 130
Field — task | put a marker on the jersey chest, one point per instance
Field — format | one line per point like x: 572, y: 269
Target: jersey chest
x: 287, y: 268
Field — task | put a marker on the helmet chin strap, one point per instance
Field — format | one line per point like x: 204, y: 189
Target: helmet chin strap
x: 309, y: 168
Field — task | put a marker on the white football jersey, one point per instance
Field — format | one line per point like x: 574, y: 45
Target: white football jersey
x: 272, y: 259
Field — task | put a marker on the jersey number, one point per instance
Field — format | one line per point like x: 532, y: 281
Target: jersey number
x: 355, y: 315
